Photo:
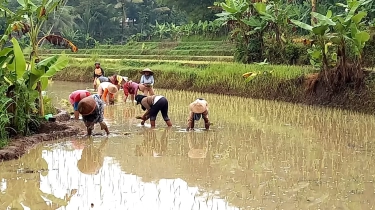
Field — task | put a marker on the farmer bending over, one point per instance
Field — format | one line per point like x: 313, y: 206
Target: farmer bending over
x: 92, y: 110
x: 132, y: 88
x: 153, y: 104
x: 101, y: 79
x: 198, y: 109
x: 107, y: 89
x: 75, y: 97
x: 117, y: 80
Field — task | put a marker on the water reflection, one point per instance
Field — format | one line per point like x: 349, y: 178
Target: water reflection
x: 92, y: 157
x: 24, y: 191
x: 198, y: 145
x: 80, y: 178
x: 258, y: 155
x: 151, y: 145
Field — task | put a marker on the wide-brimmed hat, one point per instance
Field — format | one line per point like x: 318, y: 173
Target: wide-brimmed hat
x: 139, y: 98
x: 112, y: 88
x: 147, y: 70
x: 86, y: 106
x: 198, y: 106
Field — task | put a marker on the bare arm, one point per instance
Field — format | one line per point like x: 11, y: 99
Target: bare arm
x: 190, y: 121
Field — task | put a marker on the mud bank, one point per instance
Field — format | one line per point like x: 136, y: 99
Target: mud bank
x: 48, y: 131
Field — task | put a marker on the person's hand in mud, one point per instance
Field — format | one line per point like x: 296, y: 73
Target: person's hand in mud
x: 141, y: 118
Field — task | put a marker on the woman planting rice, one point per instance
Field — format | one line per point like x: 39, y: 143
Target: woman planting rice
x: 153, y: 104
x: 92, y: 110
x: 198, y: 110
x: 75, y: 97
x: 132, y: 88
x: 107, y: 89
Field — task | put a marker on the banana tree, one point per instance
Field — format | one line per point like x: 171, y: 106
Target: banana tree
x: 161, y: 30
x: 246, y: 27
x: 174, y: 30
x: 276, y: 14
x: 30, y: 19
x: 341, y: 30
x: 25, y: 77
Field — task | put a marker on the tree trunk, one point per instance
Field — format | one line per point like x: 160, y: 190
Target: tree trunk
x: 313, y: 9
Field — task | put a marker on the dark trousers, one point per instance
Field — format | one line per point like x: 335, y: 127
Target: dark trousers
x: 161, y: 105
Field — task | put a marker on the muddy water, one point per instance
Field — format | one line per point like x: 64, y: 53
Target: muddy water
x: 258, y: 155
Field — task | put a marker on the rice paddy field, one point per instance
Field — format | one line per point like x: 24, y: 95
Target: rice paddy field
x: 187, y: 66
x: 209, y: 51
x: 258, y: 154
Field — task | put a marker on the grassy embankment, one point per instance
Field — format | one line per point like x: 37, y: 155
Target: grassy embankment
x: 175, y: 68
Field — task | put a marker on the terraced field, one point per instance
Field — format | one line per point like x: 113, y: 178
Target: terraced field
x: 182, y: 52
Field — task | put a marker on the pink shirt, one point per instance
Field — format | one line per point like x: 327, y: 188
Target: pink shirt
x: 130, y: 88
x: 78, y: 95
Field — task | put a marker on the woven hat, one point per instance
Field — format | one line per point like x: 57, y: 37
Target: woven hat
x: 198, y: 106
x: 86, y: 106
x: 112, y: 88
x: 147, y: 70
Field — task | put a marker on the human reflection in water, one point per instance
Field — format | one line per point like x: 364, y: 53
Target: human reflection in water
x: 92, y: 157
x: 151, y: 146
x: 198, y: 145
x: 25, y: 188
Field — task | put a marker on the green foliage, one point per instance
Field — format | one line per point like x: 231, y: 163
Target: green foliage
x: 20, y: 78
x: 4, y: 116
x: 340, y: 30
x: 48, y: 105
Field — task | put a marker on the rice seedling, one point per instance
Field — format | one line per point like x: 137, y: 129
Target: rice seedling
x: 260, y: 153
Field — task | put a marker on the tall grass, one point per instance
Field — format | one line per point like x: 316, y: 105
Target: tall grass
x: 212, y: 77
x: 273, y: 82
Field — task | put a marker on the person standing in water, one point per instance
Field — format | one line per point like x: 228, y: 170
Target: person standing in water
x: 152, y: 105
x: 148, y: 81
x: 101, y: 79
x: 75, y: 97
x: 198, y: 110
x: 116, y: 80
x: 107, y: 89
x: 92, y: 110
x: 98, y: 72
x: 132, y: 88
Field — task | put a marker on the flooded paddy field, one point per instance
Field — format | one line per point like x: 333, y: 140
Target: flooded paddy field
x: 257, y: 155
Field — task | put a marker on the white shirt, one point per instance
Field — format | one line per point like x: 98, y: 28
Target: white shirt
x: 104, y: 85
x: 156, y: 99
